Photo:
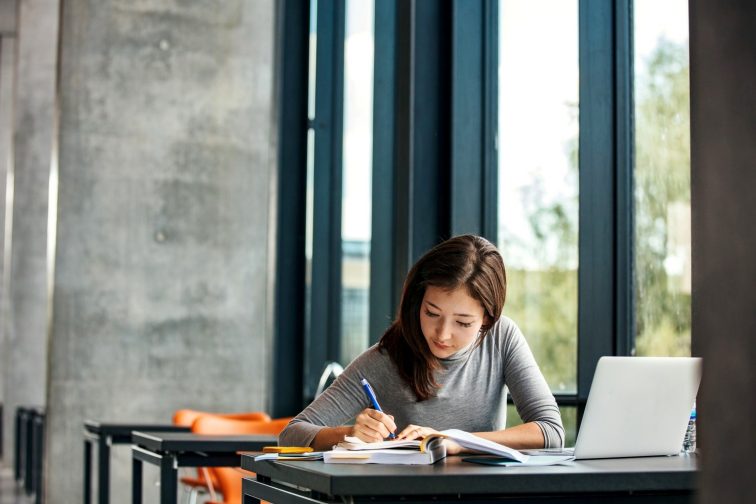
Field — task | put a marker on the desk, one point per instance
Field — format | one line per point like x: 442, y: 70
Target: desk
x: 104, y: 435
x: 648, y: 479
x: 171, y: 450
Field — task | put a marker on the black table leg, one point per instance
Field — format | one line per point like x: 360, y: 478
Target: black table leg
x: 168, y: 478
x: 29, y: 454
x: 18, y: 446
x: 136, y: 481
x: 87, y: 471
x: 246, y: 497
x: 39, y: 453
x: 103, y: 470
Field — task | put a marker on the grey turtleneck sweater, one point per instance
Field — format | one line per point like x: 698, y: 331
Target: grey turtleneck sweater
x: 472, y: 396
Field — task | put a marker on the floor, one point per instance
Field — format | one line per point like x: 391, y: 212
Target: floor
x: 10, y: 491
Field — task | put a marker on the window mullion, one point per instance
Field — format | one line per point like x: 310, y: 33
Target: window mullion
x: 325, y: 313
x: 597, y: 286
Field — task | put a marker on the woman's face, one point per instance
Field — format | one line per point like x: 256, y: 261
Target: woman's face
x: 450, y: 320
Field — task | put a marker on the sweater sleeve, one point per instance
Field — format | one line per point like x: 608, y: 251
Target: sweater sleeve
x: 530, y: 392
x: 338, y: 404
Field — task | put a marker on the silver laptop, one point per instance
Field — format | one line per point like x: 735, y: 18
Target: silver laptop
x: 637, y: 407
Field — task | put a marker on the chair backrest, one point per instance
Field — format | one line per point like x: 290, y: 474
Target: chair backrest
x: 186, y: 417
x: 217, y: 424
x: 230, y: 479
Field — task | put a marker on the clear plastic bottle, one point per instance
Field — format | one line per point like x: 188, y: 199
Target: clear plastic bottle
x: 689, y: 442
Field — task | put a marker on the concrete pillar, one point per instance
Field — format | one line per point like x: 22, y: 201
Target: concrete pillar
x: 723, y: 157
x: 163, y: 205
x: 25, y: 362
x: 7, y: 68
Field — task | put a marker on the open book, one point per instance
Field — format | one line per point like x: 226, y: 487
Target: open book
x: 429, y: 450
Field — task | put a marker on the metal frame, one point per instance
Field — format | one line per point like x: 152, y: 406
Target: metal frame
x: 168, y: 474
x: 103, y: 444
x: 624, y: 187
x: 293, y: 20
x: 182, y: 453
x: 383, y: 292
x: 325, y: 301
x: 473, y: 121
x: 270, y: 491
x: 103, y: 436
x: 19, y: 443
x: 605, y: 300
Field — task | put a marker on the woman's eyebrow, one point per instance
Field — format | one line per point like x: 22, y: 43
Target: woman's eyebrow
x: 455, y: 314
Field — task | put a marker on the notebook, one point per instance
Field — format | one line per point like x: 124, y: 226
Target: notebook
x: 637, y: 406
x: 354, y: 451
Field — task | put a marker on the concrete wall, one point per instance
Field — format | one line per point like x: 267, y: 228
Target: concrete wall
x: 25, y: 362
x: 8, y: 10
x: 161, y: 279
x: 7, y: 70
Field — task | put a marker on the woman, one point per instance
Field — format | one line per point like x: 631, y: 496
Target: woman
x: 444, y: 363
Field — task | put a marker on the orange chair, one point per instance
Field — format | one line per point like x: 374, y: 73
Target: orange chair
x: 186, y: 417
x: 230, y: 479
x: 203, y: 481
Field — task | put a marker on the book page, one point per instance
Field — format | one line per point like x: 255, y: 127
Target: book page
x: 473, y: 442
x: 355, y: 443
x: 464, y: 439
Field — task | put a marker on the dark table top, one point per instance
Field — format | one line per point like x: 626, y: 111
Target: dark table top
x: 125, y: 428
x: 186, y: 441
x: 454, y: 476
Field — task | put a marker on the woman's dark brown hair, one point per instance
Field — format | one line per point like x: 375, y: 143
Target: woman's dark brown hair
x: 465, y: 261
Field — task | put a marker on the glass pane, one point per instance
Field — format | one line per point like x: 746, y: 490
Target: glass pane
x: 662, y: 178
x: 357, y: 177
x: 569, y: 421
x: 538, y: 178
x: 310, y: 188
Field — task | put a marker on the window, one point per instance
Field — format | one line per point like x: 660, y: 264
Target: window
x: 538, y: 182
x: 661, y: 83
x: 357, y: 177
x: 557, y: 128
x: 338, y: 195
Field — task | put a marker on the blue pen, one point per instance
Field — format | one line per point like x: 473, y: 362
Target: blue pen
x: 371, y: 397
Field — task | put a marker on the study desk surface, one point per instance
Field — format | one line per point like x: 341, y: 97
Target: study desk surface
x: 187, y: 441
x: 122, y: 430
x: 454, y: 476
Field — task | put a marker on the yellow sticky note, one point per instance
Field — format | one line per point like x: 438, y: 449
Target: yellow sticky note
x: 287, y: 449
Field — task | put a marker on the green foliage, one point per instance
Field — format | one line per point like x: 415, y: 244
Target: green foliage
x: 544, y: 301
x: 546, y: 308
x: 662, y: 179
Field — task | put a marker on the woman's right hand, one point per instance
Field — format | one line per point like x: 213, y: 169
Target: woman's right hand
x: 372, y: 425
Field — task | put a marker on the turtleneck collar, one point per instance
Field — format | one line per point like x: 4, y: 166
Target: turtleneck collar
x: 458, y: 356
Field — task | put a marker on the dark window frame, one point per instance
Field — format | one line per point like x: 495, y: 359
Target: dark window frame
x: 445, y: 134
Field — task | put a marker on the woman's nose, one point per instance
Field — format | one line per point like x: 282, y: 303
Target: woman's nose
x: 443, y: 331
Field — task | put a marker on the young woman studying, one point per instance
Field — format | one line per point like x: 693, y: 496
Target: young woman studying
x: 446, y: 362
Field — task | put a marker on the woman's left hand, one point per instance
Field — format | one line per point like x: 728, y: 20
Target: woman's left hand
x: 418, y: 432
x: 415, y: 432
